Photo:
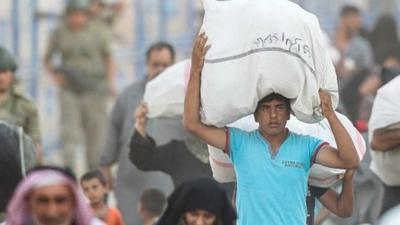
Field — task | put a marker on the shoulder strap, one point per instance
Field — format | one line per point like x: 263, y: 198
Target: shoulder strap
x: 21, y: 150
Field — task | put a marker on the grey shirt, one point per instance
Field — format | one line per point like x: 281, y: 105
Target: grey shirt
x: 130, y: 181
x: 361, y: 52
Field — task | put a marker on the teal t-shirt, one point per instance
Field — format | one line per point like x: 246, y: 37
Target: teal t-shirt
x: 271, y: 189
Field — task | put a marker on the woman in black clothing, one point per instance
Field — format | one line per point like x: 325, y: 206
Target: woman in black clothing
x: 199, y: 201
x: 182, y: 160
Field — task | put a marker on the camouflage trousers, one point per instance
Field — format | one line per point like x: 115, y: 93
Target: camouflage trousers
x: 83, y: 119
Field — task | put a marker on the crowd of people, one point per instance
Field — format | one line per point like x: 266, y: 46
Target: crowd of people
x: 155, y: 155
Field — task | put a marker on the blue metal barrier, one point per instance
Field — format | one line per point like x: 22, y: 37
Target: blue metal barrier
x: 3, y: 25
x: 140, y: 37
x: 35, y: 60
x: 15, y: 27
x: 163, y: 20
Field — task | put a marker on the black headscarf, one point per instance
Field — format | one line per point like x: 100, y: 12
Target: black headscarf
x: 201, y: 193
x: 384, y: 39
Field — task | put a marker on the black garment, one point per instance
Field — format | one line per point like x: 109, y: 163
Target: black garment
x: 10, y: 168
x: 10, y: 160
x: 312, y: 193
x: 351, y: 97
x: 173, y: 159
x: 384, y: 39
x: 388, y: 74
x: 201, y: 193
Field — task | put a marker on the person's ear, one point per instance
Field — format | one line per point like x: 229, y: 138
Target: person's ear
x: 255, y: 116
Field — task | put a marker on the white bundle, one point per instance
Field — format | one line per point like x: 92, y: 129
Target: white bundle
x: 260, y: 47
x: 165, y: 94
x: 385, y: 114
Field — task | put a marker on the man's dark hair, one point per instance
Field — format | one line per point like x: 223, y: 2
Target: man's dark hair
x: 94, y: 174
x: 160, y: 46
x: 349, y: 9
x: 273, y: 96
x: 153, y: 201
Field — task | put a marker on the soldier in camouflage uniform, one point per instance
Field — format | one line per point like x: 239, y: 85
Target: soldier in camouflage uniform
x: 85, y: 77
x: 101, y: 17
x: 15, y: 107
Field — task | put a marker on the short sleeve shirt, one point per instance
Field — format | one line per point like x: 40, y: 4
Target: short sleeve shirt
x: 85, y: 51
x: 271, y: 188
x: 114, y: 217
x: 21, y: 111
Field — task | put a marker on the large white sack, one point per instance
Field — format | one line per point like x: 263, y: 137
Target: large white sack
x: 220, y: 163
x: 386, y: 114
x: 320, y: 176
x: 259, y: 47
x: 386, y: 107
x: 165, y: 94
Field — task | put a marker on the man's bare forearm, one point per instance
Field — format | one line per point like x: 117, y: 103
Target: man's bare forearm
x: 211, y: 135
x: 192, y: 101
x: 346, y: 199
x: 345, y: 146
x: 385, y: 139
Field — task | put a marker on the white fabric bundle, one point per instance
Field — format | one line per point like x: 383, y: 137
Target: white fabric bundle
x: 320, y: 176
x: 220, y: 163
x: 165, y: 94
x: 259, y: 47
x: 386, y: 107
x: 386, y: 114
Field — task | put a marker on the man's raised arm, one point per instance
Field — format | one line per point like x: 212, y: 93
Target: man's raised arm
x: 345, y: 156
x: 211, y: 135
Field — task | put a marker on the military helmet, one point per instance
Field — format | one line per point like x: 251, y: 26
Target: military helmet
x: 7, y: 61
x: 76, y: 5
